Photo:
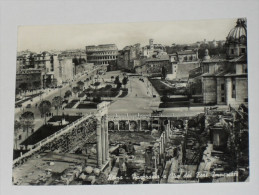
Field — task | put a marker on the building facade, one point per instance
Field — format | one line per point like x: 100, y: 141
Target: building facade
x: 102, y: 54
x: 182, y: 62
x: 129, y: 57
x: 224, y: 80
x: 44, y: 61
x: 28, y: 79
x: 152, y: 49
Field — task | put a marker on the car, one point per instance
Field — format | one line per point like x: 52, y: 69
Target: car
x: 28, y: 106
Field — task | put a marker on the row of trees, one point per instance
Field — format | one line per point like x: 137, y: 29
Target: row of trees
x: 23, y: 87
x: 26, y: 121
x: 219, y: 49
x: 76, y: 89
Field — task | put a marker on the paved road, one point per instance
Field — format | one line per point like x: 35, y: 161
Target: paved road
x: 138, y: 100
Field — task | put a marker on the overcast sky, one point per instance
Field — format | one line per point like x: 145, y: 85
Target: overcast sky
x: 61, y: 37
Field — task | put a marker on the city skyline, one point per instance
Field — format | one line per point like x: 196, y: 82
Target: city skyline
x: 51, y: 37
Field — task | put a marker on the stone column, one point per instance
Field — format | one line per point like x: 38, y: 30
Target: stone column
x: 162, y: 143
x: 103, y: 141
x: 228, y: 90
x: 160, y: 146
x: 165, y: 141
x: 99, y: 142
x: 107, y: 142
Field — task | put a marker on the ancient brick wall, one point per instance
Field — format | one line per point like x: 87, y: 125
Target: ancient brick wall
x: 79, y: 134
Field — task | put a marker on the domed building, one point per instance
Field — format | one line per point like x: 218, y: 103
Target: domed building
x: 224, y: 77
x: 236, y: 41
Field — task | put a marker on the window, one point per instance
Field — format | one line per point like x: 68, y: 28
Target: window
x: 243, y: 50
x: 244, y: 68
x: 223, y: 86
x: 222, y: 99
x: 232, y: 51
x: 233, y: 89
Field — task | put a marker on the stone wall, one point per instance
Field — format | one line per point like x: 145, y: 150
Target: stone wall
x: 68, y: 138
x: 209, y: 88
x: 182, y: 69
x: 221, y: 94
x: 241, y: 89
x: 154, y: 67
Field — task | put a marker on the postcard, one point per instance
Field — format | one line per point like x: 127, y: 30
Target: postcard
x: 132, y: 103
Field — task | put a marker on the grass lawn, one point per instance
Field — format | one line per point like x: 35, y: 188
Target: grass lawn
x: 87, y: 106
x: 71, y: 104
x: 124, y: 93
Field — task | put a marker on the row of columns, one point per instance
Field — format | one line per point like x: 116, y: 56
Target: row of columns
x: 138, y: 124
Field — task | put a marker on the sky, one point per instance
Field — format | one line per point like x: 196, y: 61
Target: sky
x: 62, y: 37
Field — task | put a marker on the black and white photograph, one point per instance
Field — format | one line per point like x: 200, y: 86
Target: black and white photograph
x: 134, y: 97
x: 132, y: 105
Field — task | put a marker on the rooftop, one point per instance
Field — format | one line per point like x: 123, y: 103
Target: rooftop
x: 186, y: 52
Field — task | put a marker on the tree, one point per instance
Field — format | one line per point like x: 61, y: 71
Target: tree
x: 68, y: 93
x: 23, y: 86
x: 125, y: 81
x: 57, y: 102
x: 75, y: 90
x: 80, y: 85
x: 17, y: 91
x: 75, y: 61
x: 164, y: 71
x: 17, y: 126
x: 44, y: 108
x: 117, y: 80
x: 97, y: 99
x: 119, y: 85
x: 27, y: 121
x: 31, y: 59
x: 36, y: 84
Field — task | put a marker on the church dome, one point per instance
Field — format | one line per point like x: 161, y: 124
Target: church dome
x: 238, y: 34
